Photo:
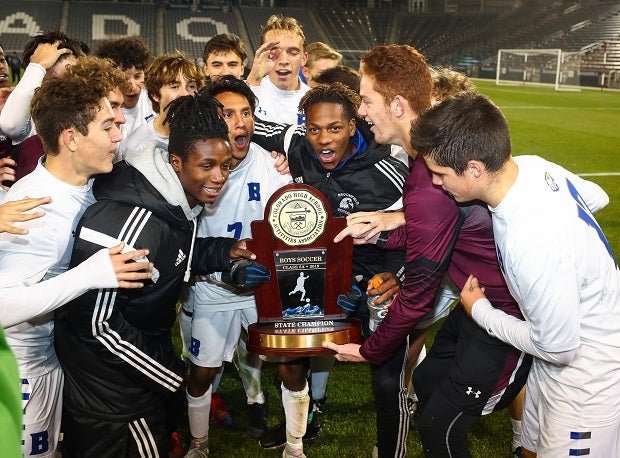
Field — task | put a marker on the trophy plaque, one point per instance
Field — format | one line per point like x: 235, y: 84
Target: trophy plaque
x: 297, y: 308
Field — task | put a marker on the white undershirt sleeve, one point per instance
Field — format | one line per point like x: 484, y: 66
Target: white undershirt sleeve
x: 515, y: 332
x: 15, y: 120
x: 22, y: 303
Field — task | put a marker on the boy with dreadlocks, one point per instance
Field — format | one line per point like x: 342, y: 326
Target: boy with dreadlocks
x: 115, y: 345
x: 336, y: 152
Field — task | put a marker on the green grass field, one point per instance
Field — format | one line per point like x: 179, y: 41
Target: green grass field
x: 579, y: 130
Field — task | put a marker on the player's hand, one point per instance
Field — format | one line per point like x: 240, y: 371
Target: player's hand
x: 7, y: 171
x: 264, y: 62
x: 246, y: 274
x: 365, y: 227
x: 4, y: 94
x: 240, y: 251
x: 348, y: 352
x: 13, y: 211
x: 130, y: 268
x: 472, y: 291
x: 281, y: 164
x: 350, y: 301
x: 384, y: 284
x: 47, y: 54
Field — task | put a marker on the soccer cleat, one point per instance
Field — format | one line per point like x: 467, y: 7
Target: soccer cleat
x: 518, y: 452
x: 218, y: 414
x: 314, y: 429
x: 274, y: 437
x: 197, y: 453
x: 257, y: 421
x: 293, y: 453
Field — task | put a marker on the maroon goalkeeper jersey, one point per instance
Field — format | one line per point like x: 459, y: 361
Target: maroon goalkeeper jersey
x: 440, y: 237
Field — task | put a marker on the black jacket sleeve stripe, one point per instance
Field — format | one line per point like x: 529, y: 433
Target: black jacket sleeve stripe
x: 397, y: 179
x: 125, y: 350
x: 133, y: 226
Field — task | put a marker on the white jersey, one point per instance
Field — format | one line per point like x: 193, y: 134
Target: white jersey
x: 562, y: 272
x: 243, y: 200
x: 138, y: 115
x: 42, y: 254
x: 139, y: 138
x: 276, y: 105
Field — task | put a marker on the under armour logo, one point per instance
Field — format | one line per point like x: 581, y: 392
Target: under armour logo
x: 180, y: 257
x: 470, y: 390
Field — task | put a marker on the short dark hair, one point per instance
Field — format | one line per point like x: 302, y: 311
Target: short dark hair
x: 465, y: 127
x: 127, y: 52
x: 193, y: 118
x: 225, y: 42
x: 340, y: 74
x: 51, y: 37
x: 333, y: 93
x: 229, y: 83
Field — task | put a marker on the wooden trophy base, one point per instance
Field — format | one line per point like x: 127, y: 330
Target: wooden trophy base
x: 267, y: 339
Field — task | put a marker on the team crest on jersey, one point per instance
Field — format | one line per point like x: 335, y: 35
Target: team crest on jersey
x: 551, y: 182
x: 347, y: 204
x: 298, y: 179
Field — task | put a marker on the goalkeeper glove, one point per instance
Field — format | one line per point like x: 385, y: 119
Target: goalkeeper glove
x: 350, y: 301
x: 246, y: 274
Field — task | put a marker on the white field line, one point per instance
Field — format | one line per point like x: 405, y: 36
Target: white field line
x: 600, y: 174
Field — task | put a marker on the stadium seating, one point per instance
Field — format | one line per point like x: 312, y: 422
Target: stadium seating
x: 21, y: 20
x: 457, y: 39
x: 188, y: 31
x: 92, y: 22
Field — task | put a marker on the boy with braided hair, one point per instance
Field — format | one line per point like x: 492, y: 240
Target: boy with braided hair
x: 336, y: 152
x: 115, y: 346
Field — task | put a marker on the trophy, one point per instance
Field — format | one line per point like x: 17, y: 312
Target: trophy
x: 297, y: 308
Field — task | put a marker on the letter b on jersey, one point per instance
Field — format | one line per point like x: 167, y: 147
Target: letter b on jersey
x: 40, y: 443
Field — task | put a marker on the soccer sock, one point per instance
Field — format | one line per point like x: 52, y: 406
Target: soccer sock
x: 250, y: 366
x: 516, y: 433
x: 319, y: 372
x: 421, y: 356
x: 295, y: 405
x: 198, y: 416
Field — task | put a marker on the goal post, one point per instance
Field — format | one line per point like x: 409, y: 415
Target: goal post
x: 538, y: 66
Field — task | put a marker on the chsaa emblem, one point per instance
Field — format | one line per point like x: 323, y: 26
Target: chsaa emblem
x: 297, y: 217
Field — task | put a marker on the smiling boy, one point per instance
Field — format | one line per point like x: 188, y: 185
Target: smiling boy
x: 116, y: 347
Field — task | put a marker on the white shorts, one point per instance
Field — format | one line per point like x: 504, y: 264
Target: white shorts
x: 42, y: 403
x: 215, y: 334
x: 551, y: 438
x: 448, y: 293
x: 574, y: 410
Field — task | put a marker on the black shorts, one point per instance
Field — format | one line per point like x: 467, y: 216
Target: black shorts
x: 475, y: 372
x: 86, y: 437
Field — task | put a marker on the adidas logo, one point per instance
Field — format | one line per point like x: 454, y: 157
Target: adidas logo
x: 180, y: 257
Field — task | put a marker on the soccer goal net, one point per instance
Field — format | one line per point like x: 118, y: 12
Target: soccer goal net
x: 538, y: 66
